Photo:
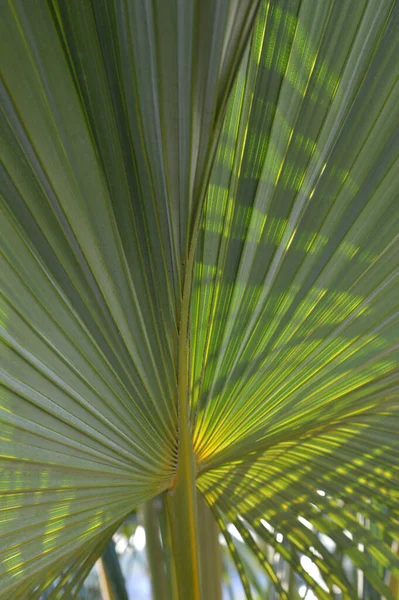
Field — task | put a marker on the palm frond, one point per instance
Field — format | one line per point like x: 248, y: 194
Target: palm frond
x: 148, y: 146
x: 107, y: 118
x: 295, y: 303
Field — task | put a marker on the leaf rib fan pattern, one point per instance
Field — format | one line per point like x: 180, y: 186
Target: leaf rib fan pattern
x: 242, y: 155
x: 295, y: 299
x: 108, y: 113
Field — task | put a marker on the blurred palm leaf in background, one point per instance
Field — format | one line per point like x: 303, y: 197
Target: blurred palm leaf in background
x: 199, y: 279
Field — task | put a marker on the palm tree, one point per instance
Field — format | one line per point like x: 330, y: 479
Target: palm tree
x: 199, y: 270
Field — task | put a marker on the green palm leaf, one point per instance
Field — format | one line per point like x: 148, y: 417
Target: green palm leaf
x: 199, y: 236
x: 295, y: 299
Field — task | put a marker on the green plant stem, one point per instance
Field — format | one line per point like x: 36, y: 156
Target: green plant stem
x: 210, y: 553
x: 167, y: 547
x: 105, y: 584
x: 113, y: 572
x: 156, y: 562
x: 181, y: 500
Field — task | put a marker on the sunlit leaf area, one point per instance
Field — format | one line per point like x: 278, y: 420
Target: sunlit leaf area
x: 199, y: 304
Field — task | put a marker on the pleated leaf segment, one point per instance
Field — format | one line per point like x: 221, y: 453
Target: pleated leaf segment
x: 199, y: 286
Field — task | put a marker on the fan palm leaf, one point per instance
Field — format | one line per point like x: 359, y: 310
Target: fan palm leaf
x: 199, y: 235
